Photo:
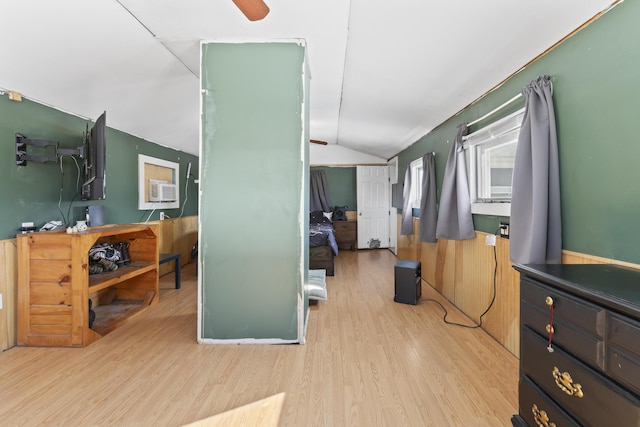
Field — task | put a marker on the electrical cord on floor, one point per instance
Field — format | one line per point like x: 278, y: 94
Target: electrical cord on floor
x: 493, y: 299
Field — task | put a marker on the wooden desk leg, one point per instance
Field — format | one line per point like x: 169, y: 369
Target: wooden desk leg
x: 175, y: 257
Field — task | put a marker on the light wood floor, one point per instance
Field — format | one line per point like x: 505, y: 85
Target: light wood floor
x: 368, y: 362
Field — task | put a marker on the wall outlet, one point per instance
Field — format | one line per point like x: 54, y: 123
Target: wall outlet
x: 162, y: 217
x: 504, y: 230
x: 491, y: 239
x: 1, y: 302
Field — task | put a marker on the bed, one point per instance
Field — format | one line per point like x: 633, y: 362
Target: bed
x: 322, y: 242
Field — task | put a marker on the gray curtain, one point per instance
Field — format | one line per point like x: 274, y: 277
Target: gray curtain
x: 535, y: 225
x: 455, y: 221
x: 319, y: 195
x: 428, y: 208
x: 407, y: 212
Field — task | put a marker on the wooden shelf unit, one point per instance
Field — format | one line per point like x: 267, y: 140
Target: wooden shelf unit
x: 54, y: 285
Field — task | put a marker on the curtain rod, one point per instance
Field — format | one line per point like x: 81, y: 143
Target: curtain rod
x: 494, y: 110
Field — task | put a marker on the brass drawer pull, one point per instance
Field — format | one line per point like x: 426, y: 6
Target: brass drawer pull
x: 565, y: 383
x: 541, y: 418
x: 549, y: 328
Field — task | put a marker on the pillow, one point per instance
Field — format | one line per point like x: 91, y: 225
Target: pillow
x: 328, y: 215
x: 316, y: 286
x: 316, y: 292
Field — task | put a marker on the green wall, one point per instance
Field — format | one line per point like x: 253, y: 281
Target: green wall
x: 341, y: 182
x: 30, y: 193
x: 255, y: 176
x: 596, y: 78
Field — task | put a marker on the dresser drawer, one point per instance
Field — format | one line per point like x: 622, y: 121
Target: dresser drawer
x: 345, y: 228
x: 623, y: 351
x: 566, y: 308
x: 578, y: 326
x: 582, y: 392
x: 538, y: 410
x: 588, y: 347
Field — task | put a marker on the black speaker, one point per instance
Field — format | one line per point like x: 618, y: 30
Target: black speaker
x: 95, y: 215
x: 408, y: 282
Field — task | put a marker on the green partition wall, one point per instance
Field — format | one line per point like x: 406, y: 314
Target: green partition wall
x: 31, y: 193
x: 253, y: 203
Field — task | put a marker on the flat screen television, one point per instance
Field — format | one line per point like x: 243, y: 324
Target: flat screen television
x: 95, y: 157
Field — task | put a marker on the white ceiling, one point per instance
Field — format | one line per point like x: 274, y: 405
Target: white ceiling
x: 383, y: 73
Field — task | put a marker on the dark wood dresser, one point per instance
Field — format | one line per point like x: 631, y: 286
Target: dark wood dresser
x: 346, y: 233
x: 589, y: 316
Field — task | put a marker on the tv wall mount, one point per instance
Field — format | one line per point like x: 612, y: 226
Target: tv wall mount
x: 22, y: 142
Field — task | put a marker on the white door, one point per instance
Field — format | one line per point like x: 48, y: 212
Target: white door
x: 393, y: 212
x: 373, y: 198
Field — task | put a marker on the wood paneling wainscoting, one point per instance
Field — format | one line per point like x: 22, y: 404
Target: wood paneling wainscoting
x: 176, y: 236
x: 9, y: 291
x: 463, y: 272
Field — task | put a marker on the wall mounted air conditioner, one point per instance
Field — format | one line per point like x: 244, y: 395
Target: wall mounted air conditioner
x: 162, y: 191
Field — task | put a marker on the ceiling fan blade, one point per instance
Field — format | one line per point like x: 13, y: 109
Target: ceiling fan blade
x: 317, y: 141
x: 254, y: 10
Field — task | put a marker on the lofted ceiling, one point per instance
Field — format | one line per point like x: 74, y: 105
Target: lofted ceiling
x: 383, y: 73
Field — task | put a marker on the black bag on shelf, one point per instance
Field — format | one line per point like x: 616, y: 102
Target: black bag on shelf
x: 340, y: 213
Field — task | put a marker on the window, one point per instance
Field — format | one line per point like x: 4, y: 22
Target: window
x: 416, y: 183
x: 490, y: 153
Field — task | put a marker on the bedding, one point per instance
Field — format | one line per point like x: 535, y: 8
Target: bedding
x: 321, y: 231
